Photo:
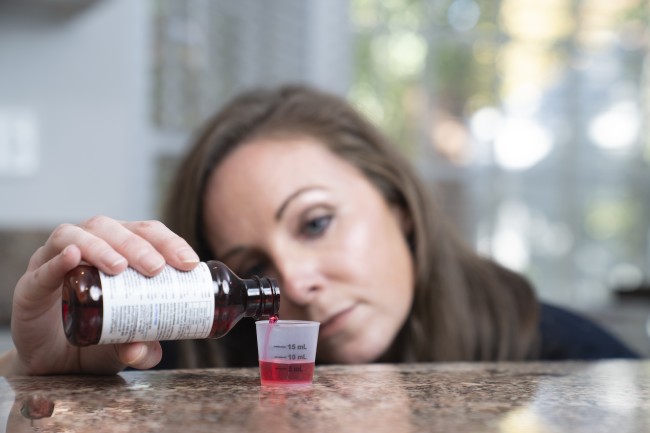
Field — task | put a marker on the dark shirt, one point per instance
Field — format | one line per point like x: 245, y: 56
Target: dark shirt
x: 568, y: 336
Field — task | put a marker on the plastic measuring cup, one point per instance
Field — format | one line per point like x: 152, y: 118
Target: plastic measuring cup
x: 286, y: 351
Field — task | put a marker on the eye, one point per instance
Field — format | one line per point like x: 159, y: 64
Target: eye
x: 315, y: 227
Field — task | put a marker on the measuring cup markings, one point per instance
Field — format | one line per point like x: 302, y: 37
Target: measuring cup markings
x: 291, y: 346
x: 286, y: 372
x: 291, y: 356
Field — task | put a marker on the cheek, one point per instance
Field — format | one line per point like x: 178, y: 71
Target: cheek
x: 376, y: 254
x: 390, y: 269
x: 352, y: 257
x: 359, y: 236
x: 375, y: 241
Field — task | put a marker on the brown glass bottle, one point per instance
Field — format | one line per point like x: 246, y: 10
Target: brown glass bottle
x: 145, y: 312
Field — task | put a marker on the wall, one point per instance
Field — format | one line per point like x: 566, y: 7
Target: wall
x: 81, y: 85
x: 75, y: 139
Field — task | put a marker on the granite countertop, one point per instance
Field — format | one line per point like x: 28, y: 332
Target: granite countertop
x: 602, y: 396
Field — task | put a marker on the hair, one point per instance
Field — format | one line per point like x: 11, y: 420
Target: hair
x: 466, y: 307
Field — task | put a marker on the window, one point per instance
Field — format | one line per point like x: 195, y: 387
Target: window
x: 529, y: 116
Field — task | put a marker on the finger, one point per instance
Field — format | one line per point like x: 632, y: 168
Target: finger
x: 37, y: 259
x: 138, y: 251
x: 47, y: 278
x: 94, y: 249
x: 100, y: 359
x: 139, y: 355
x: 176, y: 250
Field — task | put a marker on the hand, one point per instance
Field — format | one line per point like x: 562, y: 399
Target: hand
x: 111, y: 246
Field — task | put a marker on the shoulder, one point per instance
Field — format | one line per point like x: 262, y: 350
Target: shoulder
x: 568, y: 335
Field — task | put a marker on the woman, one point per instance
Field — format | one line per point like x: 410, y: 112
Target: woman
x: 295, y: 184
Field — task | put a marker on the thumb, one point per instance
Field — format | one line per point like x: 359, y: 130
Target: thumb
x: 139, y: 355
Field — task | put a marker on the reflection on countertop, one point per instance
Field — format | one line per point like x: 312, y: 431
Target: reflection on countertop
x: 478, y: 397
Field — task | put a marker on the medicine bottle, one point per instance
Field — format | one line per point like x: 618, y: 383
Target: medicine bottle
x: 173, y: 305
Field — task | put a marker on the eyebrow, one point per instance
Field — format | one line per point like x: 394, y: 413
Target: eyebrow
x: 278, y: 214
x: 287, y: 201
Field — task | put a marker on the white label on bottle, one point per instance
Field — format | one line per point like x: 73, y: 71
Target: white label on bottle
x: 173, y: 305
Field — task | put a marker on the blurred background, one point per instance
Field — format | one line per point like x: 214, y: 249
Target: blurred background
x: 528, y: 118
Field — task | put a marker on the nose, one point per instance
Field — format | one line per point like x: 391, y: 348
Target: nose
x: 300, y: 280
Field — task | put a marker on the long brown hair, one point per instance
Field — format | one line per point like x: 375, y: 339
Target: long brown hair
x: 465, y: 307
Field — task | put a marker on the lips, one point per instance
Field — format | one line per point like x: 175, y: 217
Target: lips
x: 335, y: 322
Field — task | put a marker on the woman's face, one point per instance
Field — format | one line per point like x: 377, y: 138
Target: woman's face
x: 293, y: 210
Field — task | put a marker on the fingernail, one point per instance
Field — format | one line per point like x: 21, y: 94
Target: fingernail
x: 187, y: 255
x: 142, y: 352
x: 152, y: 262
x: 113, y: 260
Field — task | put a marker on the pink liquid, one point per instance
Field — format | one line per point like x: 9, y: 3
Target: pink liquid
x: 286, y: 372
x: 272, y: 321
